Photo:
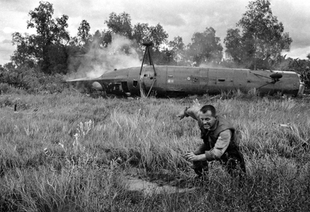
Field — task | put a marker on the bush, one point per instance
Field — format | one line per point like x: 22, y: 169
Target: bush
x: 4, y: 88
x: 30, y: 80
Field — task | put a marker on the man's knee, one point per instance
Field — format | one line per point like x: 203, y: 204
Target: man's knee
x: 235, y: 167
x: 200, y: 167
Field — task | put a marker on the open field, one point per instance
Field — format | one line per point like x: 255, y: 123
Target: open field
x: 70, y: 152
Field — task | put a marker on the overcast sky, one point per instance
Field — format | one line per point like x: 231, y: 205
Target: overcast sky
x: 178, y: 17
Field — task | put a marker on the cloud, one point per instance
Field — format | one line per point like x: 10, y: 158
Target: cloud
x: 300, y: 53
x: 295, y: 17
x: 6, y: 50
x: 5, y: 41
x: 14, y: 5
x: 8, y: 30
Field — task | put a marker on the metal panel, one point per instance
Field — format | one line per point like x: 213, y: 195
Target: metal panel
x: 240, y: 79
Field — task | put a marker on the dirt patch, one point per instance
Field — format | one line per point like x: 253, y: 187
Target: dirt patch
x: 151, y: 188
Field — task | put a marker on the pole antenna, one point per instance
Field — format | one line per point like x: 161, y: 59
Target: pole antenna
x: 147, y: 54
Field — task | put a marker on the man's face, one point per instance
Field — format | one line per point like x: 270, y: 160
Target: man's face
x: 207, y: 119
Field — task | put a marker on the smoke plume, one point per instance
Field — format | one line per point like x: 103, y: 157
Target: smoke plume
x: 97, y: 61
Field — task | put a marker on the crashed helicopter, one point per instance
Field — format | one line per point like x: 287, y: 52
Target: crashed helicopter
x: 183, y: 80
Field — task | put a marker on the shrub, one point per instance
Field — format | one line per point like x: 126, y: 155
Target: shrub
x: 30, y: 80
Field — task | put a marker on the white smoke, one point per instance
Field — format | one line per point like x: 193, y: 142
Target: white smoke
x: 97, y: 61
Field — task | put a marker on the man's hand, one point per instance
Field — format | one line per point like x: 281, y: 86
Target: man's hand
x: 182, y: 114
x: 196, y: 103
x: 192, y: 157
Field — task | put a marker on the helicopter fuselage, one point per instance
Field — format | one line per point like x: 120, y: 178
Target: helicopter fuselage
x: 182, y: 81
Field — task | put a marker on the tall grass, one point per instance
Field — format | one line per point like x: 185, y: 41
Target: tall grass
x: 69, y: 152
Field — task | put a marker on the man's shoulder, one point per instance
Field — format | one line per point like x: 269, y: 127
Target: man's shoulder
x: 223, y: 119
x: 224, y: 123
x: 225, y: 134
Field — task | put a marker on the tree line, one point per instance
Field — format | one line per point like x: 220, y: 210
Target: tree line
x: 257, y: 42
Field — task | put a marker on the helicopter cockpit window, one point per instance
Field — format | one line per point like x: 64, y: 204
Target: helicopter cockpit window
x: 135, y: 83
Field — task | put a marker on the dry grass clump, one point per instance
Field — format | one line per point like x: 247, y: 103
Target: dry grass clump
x: 69, y: 152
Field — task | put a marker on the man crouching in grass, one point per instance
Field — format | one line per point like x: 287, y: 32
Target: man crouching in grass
x: 219, y: 141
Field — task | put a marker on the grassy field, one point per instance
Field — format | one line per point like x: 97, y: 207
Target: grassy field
x: 70, y: 152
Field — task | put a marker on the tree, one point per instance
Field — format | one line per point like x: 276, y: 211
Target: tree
x: 233, y: 43
x: 158, y: 36
x: 142, y: 32
x: 262, y: 39
x: 47, y: 47
x: 83, y: 35
x: 205, y: 47
x: 178, y: 51
x: 120, y: 24
x: 177, y: 44
x: 26, y: 53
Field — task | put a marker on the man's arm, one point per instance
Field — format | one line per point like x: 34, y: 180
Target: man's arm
x: 220, y: 147
x: 200, y: 150
x: 192, y: 111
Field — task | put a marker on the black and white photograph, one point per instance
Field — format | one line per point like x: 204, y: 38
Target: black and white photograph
x: 131, y: 105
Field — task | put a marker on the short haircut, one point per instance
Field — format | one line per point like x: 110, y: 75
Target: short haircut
x: 207, y: 108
